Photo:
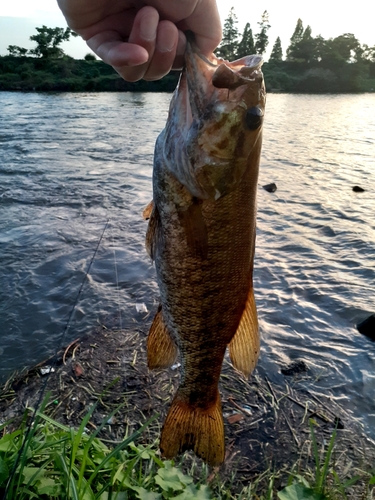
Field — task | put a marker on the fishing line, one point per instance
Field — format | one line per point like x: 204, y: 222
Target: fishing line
x: 53, y: 364
x: 117, y: 284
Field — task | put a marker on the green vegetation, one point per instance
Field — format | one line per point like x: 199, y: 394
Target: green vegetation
x: 312, y: 64
x: 71, y: 75
x: 43, y: 459
x: 47, y: 68
x: 261, y: 38
x: 49, y: 460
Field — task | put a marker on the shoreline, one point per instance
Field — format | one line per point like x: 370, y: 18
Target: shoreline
x: 266, y: 425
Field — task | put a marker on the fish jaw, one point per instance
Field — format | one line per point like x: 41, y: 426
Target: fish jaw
x: 215, y: 121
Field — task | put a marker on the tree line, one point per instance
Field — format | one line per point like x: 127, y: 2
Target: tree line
x: 311, y: 64
x: 303, y: 46
x: 47, y: 68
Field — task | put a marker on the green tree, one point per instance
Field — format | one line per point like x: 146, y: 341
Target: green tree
x: 261, y: 38
x: 295, y: 39
x: 368, y: 53
x: 277, y: 51
x: 305, y: 49
x: 16, y: 51
x: 90, y: 57
x: 336, y: 52
x: 48, y: 41
x: 246, y: 46
x: 229, y: 43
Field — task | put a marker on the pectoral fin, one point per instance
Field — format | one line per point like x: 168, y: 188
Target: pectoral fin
x: 245, y: 346
x: 161, y: 349
x: 192, y: 221
x: 146, y: 214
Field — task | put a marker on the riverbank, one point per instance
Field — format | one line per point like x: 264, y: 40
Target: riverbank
x: 267, y: 426
x: 66, y: 74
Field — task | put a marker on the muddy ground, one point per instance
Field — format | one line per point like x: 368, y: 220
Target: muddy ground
x: 267, y: 426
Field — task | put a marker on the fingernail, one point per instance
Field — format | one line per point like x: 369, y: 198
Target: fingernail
x: 165, y: 42
x: 148, y: 29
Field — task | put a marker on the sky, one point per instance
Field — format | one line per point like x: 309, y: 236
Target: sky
x: 329, y: 18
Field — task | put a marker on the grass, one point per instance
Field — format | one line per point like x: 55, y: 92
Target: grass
x: 47, y: 460
x: 324, y: 483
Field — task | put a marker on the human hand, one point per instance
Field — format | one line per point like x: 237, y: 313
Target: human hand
x: 143, y: 38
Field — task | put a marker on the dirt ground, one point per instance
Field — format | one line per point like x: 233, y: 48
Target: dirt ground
x: 267, y: 426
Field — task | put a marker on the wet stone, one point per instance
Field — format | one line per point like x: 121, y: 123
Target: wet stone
x: 297, y: 366
x: 339, y: 423
x: 367, y: 327
x: 271, y: 188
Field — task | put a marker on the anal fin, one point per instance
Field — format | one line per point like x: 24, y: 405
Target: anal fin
x: 188, y: 427
x: 245, y: 345
x: 161, y: 349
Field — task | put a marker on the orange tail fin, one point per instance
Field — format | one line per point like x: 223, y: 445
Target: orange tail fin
x: 190, y: 428
x: 161, y: 349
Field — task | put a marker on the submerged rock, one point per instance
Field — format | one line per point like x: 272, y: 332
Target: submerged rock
x: 358, y: 189
x: 271, y: 188
x: 297, y: 366
x: 367, y: 327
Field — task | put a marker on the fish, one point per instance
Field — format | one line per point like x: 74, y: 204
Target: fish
x: 201, y: 237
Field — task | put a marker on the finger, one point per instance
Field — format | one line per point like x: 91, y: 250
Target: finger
x: 143, y: 34
x: 179, y: 60
x: 110, y: 47
x: 165, y: 51
x: 206, y: 25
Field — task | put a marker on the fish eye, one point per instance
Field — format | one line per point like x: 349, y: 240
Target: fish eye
x: 254, y: 118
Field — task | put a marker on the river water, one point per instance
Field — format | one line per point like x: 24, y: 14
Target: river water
x: 75, y: 175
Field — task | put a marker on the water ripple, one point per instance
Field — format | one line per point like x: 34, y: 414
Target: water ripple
x: 70, y: 162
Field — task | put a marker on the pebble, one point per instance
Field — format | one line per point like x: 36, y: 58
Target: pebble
x: 271, y: 188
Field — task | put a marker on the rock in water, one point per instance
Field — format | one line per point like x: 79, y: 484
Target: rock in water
x: 367, y: 327
x: 296, y: 366
x: 271, y: 188
x: 358, y: 189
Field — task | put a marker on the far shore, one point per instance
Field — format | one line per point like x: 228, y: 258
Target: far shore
x: 65, y: 74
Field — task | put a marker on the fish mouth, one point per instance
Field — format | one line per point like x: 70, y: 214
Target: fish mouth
x: 210, y: 79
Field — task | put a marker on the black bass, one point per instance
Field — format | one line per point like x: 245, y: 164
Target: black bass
x: 201, y: 235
